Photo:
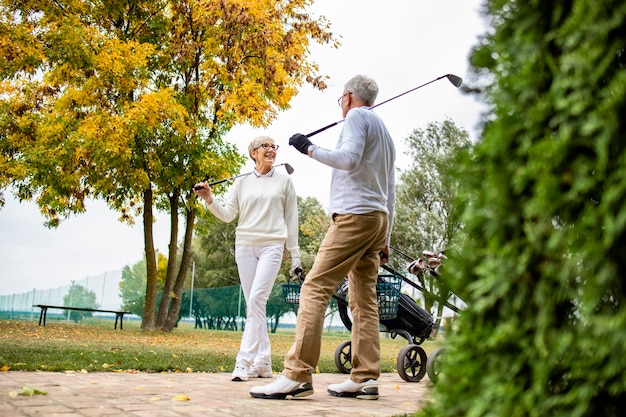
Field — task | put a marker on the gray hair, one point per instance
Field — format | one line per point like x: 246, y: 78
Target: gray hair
x: 363, y: 88
x: 256, y: 142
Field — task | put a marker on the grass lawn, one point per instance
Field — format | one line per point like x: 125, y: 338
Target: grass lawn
x: 96, y: 346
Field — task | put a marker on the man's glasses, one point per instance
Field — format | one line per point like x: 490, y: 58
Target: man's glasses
x: 341, y: 98
x: 267, y: 146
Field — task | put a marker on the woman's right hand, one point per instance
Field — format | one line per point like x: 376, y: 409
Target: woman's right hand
x: 204, y: 191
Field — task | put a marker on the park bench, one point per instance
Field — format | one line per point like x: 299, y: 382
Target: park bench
x: 119, y: 315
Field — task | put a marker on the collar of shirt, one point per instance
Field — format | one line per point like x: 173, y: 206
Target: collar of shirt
x: 258, y: 174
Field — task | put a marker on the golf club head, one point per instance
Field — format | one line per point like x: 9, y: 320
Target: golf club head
x: 455, y: 80
x: 288, y: 168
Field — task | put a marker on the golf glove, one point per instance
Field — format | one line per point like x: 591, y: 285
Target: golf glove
x: 300, y: 142
x: 296, y: 267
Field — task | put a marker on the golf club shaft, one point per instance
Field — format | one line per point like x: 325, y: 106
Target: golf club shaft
x: 211, y: 184
x: 288, y: 167
x: 455, y: 80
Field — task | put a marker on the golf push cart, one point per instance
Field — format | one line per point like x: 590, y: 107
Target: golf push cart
x: 398, y: 314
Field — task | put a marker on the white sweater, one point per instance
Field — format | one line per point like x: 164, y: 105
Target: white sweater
x: 363, y: 177
x: 267, y: 208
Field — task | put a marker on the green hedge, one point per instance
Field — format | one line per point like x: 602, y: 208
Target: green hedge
x: 543, y: 260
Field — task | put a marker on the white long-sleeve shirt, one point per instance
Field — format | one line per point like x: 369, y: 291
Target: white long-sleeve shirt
x: 363, y: 176
x: 267, y: 208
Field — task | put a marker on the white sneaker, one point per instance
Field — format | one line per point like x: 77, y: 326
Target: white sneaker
x: 281, y: 388
x: 367, y: 390
x: 260, y: 370
x: 241, y: 372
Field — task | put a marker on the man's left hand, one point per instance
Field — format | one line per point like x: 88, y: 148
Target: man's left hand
x: 384, y: 255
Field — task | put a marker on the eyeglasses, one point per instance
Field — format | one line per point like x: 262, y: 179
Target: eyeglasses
x: 340, y: 98
x: 267, y: 146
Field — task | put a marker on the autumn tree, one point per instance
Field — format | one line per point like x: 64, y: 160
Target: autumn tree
x: 128, y: 102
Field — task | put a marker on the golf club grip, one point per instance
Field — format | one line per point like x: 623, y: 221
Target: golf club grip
x: 198, y: 188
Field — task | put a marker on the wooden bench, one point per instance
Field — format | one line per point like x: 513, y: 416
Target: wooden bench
x: 119, y: 315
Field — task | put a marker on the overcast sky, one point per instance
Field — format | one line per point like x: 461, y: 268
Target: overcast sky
x: 400, y: 43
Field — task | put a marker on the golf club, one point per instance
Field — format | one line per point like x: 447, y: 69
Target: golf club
x: 288, y: 168
x: 454, y: 79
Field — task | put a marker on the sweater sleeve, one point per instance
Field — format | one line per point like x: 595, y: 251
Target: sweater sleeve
x: 349, y: 151
x: 230, y: 209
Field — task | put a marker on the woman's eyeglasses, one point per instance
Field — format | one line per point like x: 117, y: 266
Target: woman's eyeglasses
x: 267, y: 146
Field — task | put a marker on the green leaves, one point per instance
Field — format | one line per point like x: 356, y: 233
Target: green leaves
x: 27, y: 391
x: 542, y: 266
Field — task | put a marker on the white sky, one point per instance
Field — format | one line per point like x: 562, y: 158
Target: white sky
x: 400, y: 43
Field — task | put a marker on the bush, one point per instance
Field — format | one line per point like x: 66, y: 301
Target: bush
x: 542, y: 267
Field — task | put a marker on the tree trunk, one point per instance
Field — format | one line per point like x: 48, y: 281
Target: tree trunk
x: 149, y: 308
x: 166, y: 297
x: 172, y: 316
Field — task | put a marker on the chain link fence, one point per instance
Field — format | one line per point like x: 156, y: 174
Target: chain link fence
x: 208, y: 308
x: 21, y: 306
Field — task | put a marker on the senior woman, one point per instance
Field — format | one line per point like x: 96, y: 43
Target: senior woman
x: 268, y: 222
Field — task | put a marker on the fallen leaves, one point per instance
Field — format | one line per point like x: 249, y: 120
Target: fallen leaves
x: 181, y: 397
x: 27, y: 391
x: 25, y: 346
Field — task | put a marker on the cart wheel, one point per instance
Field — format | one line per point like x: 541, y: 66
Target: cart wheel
x: 433, y: 364
x: 343, y: 357
x: 412, y: 363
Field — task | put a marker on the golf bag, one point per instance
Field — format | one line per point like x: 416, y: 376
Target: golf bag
x: 412, y: 318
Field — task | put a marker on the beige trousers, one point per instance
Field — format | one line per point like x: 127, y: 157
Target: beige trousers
x: 351, y: 247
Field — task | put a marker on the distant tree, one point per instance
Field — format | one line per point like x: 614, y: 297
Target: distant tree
x: 214, y: 252
x: 314, y: 222
x: 541, y: 260
x: 79, y: 296
x: 425, y: 196
x: 132, y: 287
x: 277, y: 307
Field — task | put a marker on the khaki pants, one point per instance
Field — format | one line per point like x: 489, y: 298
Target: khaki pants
x: 351, y: 247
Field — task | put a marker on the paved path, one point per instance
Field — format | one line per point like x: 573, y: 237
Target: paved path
x: 210, y: 394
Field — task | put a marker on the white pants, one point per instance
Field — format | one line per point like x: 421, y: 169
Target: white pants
x: 258, y: 267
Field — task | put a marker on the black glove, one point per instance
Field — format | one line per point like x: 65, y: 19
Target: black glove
x: 300, y: 142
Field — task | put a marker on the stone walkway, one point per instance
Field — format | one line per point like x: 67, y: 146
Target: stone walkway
x: 203, y: 394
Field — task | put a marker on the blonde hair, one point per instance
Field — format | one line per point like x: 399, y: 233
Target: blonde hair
x: 256, y: 142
